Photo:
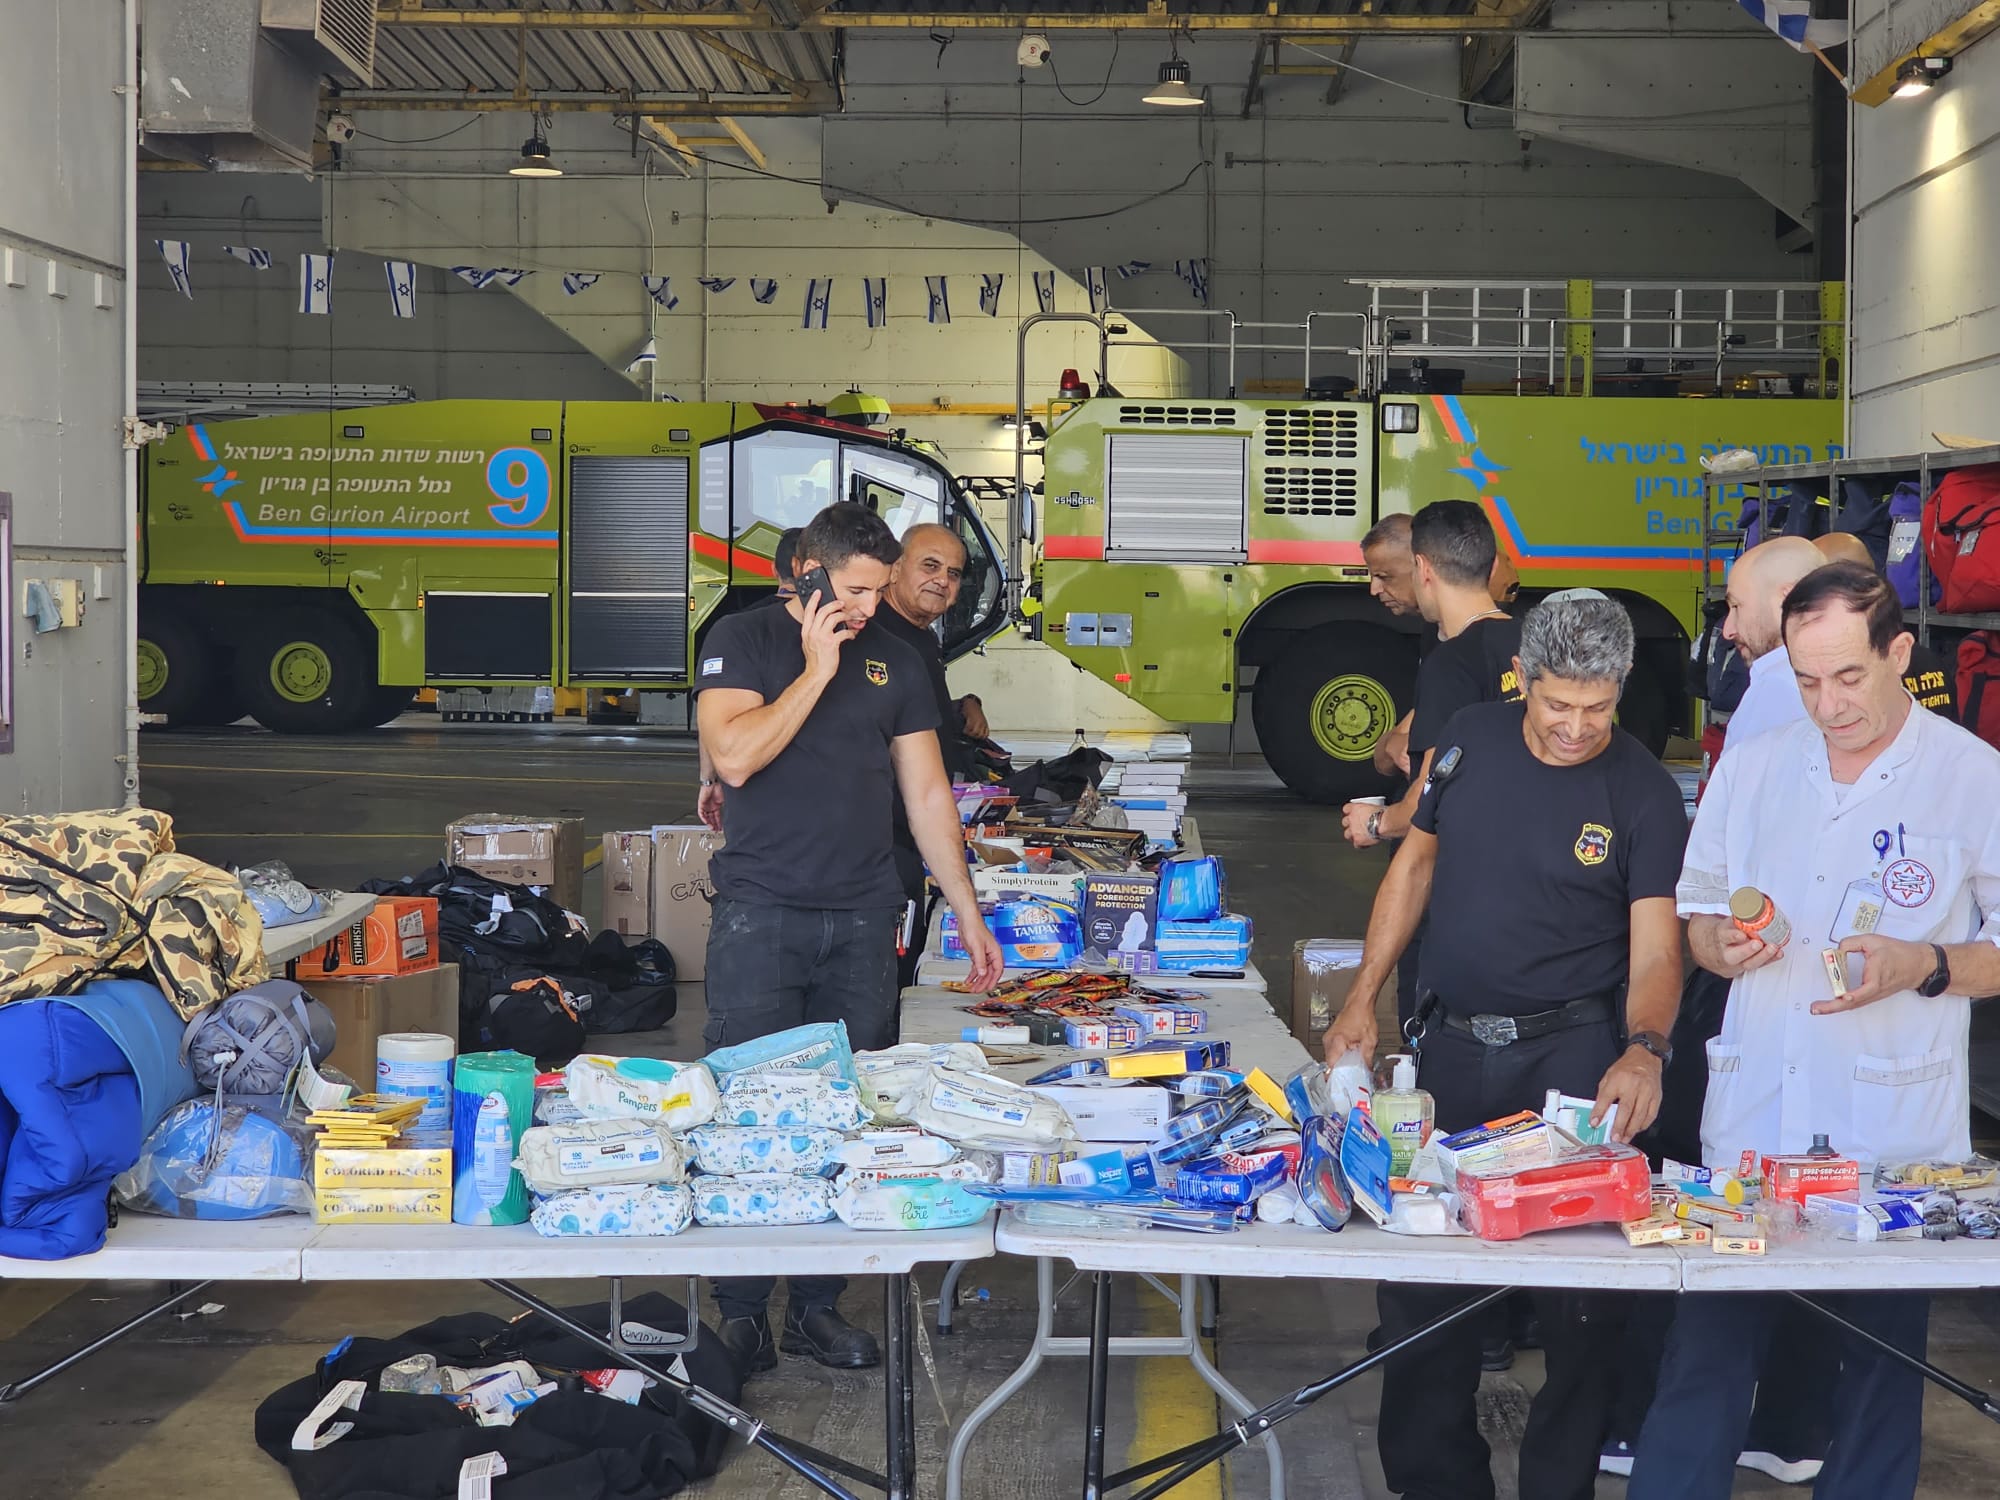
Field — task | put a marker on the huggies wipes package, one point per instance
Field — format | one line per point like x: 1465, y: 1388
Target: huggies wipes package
x: 922, y: 1203
x: 679, y: 1095
x: 629, y: 1152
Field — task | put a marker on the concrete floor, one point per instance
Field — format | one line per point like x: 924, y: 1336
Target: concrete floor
x: 168, y: 1411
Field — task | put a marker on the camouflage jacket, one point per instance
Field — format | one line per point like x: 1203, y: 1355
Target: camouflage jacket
x: 92, y: 894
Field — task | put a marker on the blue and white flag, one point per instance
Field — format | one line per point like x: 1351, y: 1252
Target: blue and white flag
x: 764, y: 288
x: 1792, y: 21
x: 1045, y: 290
x: 316, y: 284
x: 402, y: 276
x: 481, y: 277
x: 875, y: 291
x: 175, y: 254
x: 940, y: 299
x: 251, y: 255
x: 648, y: 354
x: 661, y: 290
x: 989, y: 293
x: 716, y: 283
x: 1195, y: 274
x: 819, y: 292
x: 580, y: 281
x: 1132, y: 268
x: 1100, y: 294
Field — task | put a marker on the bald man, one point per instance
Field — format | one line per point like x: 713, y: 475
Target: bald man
x: 1758, y: 584
x: 1928, y: 679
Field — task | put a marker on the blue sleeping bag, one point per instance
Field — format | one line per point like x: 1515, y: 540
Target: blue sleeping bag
x: 83, y: 1078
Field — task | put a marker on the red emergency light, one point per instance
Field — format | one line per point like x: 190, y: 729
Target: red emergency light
x: 1072, y: 387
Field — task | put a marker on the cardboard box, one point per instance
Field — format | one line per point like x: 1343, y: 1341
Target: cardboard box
x: 422, y: 1205
x: 682, y: 892
x: 990, y: 883
x: 1136, y: 1113
x: 546, y: 852
x: 628, y: 883
x: 390, y: 1167
x: 1120, y: 912
x: 1322, y: 975
x: 364, y: 1009
x: 398, y: 935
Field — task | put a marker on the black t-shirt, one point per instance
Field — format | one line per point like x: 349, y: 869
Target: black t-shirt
x: 1538, y: 865
x: 1474, y: 666
x: 1930, y: 682
x: 924, y: 641
x: 812, y: 828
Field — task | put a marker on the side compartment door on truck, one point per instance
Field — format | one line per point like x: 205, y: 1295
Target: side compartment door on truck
x: 627, y: 539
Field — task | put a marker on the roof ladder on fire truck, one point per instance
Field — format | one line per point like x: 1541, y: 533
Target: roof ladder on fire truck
x: 217, y: 400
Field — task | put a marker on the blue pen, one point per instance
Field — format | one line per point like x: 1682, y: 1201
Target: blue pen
x: 1899, y: 840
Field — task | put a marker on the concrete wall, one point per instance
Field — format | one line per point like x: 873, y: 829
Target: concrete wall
x: 62, y: 301
x: 1926, y: 283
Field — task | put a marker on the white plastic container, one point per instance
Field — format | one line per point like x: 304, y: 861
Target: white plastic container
x: 417, y: 1065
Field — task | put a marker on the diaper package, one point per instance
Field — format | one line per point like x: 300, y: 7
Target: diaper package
x: 762, y: 1198
x: 790, y: 1099
x: 887, y: 1075
x: 919, y: 1203
x: 678, y: 1095
x: 819, y: 1048
x: 732, y: 1151
x: 630, y: 1152
x: 613, y: 1211
x: 978, y: 1109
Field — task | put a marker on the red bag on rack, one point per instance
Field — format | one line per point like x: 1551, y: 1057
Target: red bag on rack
x: 1979, y: 684
x: 1962, y: 539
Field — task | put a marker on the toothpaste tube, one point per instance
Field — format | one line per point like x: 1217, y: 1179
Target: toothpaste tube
x: 1708, y: 1180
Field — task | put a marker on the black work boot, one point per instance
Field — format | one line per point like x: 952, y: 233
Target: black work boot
x: 829, y: 1338
x: 748, y: 1341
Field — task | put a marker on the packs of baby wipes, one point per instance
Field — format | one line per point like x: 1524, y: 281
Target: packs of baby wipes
x: 819, y: 1048
x: 977, y: 1109
x: 678, y: 1095
x: 920, y: 1203
x: 761, y: 1198
x: 630, y: 1152
x: 613, y: 1211
x: 731, y: 1151
x: 906, y: 1147
x: 790, y: 1099
x: 885, y: 1076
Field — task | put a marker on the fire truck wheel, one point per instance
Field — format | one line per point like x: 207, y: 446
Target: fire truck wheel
x: 1323, y: 704
x: 182, y: 675
x: 307, y: 672
x: 388, y: 704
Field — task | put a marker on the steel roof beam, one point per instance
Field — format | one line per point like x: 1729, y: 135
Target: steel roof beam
x: 1156, y: 18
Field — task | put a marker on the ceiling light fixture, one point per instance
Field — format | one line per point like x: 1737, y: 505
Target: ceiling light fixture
x: 1172, y: 91
x: 1919, y: 75
x: 535, y: 159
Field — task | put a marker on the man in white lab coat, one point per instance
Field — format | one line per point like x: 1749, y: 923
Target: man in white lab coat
x: 1874, y: 828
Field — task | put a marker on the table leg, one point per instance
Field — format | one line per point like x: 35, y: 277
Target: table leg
x: 1974, y: 1397
x: 948, y: 1295
x: 898, y: 1385
x: 1038, y: 1350
x: 1274, y: 1458
x: 1100, y: 1379
x: 177, y: 1294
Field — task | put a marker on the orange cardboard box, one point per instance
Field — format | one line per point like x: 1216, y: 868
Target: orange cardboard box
x: 399, y: 936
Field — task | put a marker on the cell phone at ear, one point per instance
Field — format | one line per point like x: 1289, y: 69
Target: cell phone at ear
x: 816, y: 591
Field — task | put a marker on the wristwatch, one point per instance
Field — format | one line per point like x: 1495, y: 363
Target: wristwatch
x: 1375, y: 824
x: 1654, y: 1043
x: 711, y: 781
x: 1934, y: 986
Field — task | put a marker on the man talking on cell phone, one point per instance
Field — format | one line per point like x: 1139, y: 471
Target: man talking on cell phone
x: 816, y: 724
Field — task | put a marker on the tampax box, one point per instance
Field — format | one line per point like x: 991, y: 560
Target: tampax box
x: 1120, y: 912
x: 683, y: 893
x: 545, y: 852
x: 628, y: 883
x: 399, y: 935
x: 364, y: 1009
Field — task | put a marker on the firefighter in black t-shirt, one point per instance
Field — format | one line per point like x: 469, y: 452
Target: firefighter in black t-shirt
x: 1547, y: 843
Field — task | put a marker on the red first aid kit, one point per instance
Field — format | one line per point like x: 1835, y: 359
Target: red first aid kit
x: 1599, y: 1185
x: 1793, y: 1179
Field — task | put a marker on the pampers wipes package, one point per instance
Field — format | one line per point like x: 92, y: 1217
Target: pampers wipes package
x: 678, y: 1095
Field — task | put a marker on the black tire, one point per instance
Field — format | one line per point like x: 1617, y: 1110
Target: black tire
x: 1647, y: 710
x: 389, y: 704
x: 1323, y: 705
x: 307, y: 671
x: 182, y: 675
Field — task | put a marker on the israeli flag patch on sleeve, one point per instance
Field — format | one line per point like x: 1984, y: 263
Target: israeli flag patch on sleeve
x: 712, y: 667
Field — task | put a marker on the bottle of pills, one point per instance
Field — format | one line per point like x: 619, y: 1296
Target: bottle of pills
x: 1755, y: 916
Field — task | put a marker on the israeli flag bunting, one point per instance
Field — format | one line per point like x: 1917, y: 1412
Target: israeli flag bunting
x: 940, y: 298
x: 819, y: 292
x: 989, y: 293
x: 1133, y: 268
x: 661, y: 290
x: 875, y: 289
x: 1792, y: 21
x: 1195, y: 274
x: 257, y: 259
x: 648, y: 354
x: 316, y: 284
x: 175, y: 254
x: 764, y: 288
x: 1045, y: 290
x: 402, y: 277
x: 716, y: 283
x: 580, y: 281
x: 1100, y: 294
x: 481, y: 277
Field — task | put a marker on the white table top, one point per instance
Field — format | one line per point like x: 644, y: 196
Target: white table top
x: 466, y: 1252
x: 343, y: 910
x: 145, y: 1248
x: 1806, y: 1266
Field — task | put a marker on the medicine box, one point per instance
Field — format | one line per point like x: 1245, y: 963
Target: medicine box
x: 1166, y: 1020
x: 1033, y: 1168
x: 1100, y: 1036
x: 1168, y: 1059
x: 1132, y: 1113
x: 1511, y: 1142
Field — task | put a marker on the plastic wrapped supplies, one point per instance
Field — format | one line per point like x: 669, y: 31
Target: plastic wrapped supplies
x: 920, y: 1203
x: 790, y: 1099
x: 762, y: 1198
x: 205, y: 1162
x: 887, y: 1075
x: 626, y: 1210
x: 819, y: 1048
x: 678, y: 1095
x: 733, y: 1151
x: 629, y: 1152
x: 977, y: 1109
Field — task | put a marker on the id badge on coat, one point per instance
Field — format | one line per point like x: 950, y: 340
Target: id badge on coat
x: 1860, y: 910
